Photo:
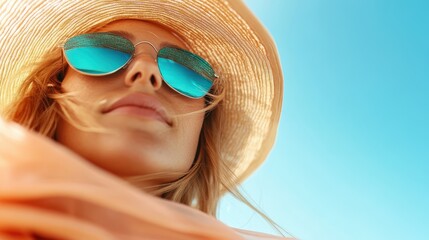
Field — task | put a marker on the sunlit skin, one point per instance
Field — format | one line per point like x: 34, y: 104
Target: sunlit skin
x: 140, y: 143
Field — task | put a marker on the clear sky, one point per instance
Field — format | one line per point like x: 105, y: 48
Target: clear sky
x: 351, y: 160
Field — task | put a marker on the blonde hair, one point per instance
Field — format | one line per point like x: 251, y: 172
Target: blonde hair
x: 40, y: 103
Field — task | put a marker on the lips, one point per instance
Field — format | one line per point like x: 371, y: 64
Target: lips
x: 141, y: 105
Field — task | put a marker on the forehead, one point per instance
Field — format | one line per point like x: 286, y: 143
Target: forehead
x: 137, y: 30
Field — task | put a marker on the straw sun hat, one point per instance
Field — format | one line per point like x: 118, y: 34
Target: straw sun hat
x: 223, y: 32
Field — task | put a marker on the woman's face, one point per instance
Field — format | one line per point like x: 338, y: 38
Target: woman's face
x: 142, y: 139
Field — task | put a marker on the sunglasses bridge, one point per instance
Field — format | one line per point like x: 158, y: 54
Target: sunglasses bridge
x: 142, y: 42
x: 135, y: 54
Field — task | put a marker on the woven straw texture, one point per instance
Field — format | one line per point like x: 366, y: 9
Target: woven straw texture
x: 224, y: 32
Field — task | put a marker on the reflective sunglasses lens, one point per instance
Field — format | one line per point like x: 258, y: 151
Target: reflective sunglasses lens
x: 185, y: 72
x: 98, y: 53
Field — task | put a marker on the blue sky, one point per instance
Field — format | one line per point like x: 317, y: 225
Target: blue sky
x: 351, y: 160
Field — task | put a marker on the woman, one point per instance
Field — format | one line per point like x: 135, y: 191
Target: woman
x: 178, y: 98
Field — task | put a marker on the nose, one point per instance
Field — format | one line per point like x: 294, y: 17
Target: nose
x: 143, y: 74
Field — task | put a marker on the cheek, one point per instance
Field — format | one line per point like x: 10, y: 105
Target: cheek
x: 193, y: 125
x: 77, y: 85
x: 186, y: 106
x: 189, y: 125
x: 73, y: 81
x: 86, y: 88
x: 189, y: 137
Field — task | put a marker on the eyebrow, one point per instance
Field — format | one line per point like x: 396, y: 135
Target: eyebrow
x: 167, y: 44
x: 131, y: 36
x: 124, y: 34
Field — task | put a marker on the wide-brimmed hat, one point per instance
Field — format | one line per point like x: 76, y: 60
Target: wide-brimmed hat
x: 223, y: 32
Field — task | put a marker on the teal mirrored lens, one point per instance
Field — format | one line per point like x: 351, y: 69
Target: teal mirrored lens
x: 185, y: 72
x: 98, y: 53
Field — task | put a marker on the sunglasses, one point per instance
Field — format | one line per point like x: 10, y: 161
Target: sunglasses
x: 100, y: 54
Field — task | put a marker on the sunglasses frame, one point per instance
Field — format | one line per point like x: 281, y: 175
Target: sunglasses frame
x: 64, y: 56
